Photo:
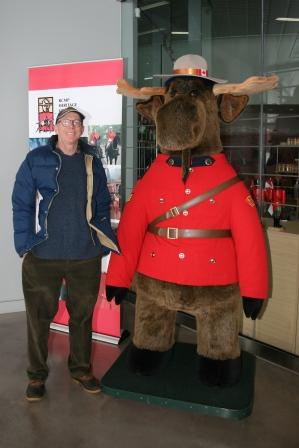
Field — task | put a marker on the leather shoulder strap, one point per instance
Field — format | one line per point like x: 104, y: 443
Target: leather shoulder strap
x: 175, y: 211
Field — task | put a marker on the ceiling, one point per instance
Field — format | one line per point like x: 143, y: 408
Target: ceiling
x: 228, y: 17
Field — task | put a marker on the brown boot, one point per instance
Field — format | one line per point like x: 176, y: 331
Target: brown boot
x: 89, y: 383
x: 35, y: 390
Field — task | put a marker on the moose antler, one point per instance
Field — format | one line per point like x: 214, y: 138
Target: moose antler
x: 144, y: 93
x: 152, y: 91
x: 251, y: 86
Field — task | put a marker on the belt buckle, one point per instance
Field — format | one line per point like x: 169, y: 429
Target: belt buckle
x: 174, y: 211
x: 172, y: 233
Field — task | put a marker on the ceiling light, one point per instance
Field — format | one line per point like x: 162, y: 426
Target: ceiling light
x: 155, y: 30
x: 154, y: 5
x: 287, y: 19
x: 179, y: 32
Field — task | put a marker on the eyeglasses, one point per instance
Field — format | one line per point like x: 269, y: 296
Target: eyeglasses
x: 68, y: 123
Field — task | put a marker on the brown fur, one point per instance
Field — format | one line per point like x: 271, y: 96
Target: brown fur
x: 231, y: 106
x: 184, y: 121
x: 216, y: 308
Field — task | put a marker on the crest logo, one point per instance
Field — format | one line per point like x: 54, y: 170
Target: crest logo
x: 45, y: 114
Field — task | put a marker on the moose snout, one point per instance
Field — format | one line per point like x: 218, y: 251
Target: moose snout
x: 180, y: 123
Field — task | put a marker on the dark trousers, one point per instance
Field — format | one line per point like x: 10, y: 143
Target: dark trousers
x: 42, y: 281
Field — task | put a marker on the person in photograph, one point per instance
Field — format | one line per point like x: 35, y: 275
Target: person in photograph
x: 110, y: 134
x: 95, y: 140
x: 112, y: 146
x: 62, y: 228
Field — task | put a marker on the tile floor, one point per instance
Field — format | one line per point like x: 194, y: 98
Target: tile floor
x: 69, y: 417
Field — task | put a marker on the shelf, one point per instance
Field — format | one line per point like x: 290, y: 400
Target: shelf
x: 285, y: 145
x: 267, y: 175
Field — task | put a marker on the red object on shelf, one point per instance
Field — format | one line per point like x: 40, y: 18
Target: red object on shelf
x: 268, y: 190
x: 279, y: 196
x: 257, y: 193
x: 268, y: 194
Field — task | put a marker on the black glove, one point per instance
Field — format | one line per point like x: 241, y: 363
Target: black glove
x: 116, y: 292
x: 252, y: 307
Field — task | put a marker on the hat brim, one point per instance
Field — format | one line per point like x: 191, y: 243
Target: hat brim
x: 167, y: 78
x: 63, y: 113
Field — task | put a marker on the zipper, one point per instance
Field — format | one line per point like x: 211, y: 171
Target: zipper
x: 90, y: 229
x: 57, y: 191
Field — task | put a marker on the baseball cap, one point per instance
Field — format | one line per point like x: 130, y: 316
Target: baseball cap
x: 66, y: 111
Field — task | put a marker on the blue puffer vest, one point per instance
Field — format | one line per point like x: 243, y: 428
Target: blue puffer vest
x: 36, y: 186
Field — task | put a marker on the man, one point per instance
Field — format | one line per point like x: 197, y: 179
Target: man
x: 61, y: 228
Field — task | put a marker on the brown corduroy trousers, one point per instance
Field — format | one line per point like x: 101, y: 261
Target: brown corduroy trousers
x: 42, y: 280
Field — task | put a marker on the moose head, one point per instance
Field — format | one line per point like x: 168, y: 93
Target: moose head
x: 188, y: 110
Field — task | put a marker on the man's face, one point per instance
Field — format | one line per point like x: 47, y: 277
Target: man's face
x: 69, y: 128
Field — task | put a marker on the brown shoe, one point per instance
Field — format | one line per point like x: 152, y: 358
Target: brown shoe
x: 35, y: 390
x: 89, y: 383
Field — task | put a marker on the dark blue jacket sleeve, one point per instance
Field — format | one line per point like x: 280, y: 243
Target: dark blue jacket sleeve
x: 23, y: 203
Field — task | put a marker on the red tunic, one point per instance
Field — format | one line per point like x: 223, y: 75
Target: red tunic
x: 241, y: 258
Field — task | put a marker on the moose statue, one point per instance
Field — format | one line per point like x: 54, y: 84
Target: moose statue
x: 190, y: 234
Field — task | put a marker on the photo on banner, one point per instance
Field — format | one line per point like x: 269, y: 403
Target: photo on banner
x: 91, y: 88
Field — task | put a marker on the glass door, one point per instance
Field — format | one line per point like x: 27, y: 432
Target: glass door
x: 238, y: 38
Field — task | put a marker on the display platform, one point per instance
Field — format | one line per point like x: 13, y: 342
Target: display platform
x: 177, y: 386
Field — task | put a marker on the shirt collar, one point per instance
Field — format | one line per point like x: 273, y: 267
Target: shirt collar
x: 195, y: 161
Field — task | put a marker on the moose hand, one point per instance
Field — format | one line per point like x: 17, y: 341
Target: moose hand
x: 126, y: 89
x: 116, y: 292
x: 252, y: 307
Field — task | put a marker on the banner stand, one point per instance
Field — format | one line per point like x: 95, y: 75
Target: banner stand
x: 95, y: 336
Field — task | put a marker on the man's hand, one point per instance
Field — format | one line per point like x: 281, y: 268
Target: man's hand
x: 116, y: 292
x: 252, y: 307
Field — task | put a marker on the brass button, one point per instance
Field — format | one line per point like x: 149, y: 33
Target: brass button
x: 190, y: 170
x: 153, y: 254
x: 212, y: 260
x: 161, y: 200
x: 208, y: 162
x: 212, y: 201
x: 185, y: 213
x: 187, y: 191
x: 182, y: 255
x: 170, y: 162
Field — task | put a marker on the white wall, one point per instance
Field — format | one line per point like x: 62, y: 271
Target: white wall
x: 39, y: 33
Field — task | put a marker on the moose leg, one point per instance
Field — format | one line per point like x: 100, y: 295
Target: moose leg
x: 218, y: 342
x: 153, y: 336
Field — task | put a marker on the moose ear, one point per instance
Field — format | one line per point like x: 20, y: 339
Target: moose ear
x: 230, y: 106
x: 149, y: 109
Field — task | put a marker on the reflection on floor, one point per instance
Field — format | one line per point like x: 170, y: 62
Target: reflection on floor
x: 69, y: 417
